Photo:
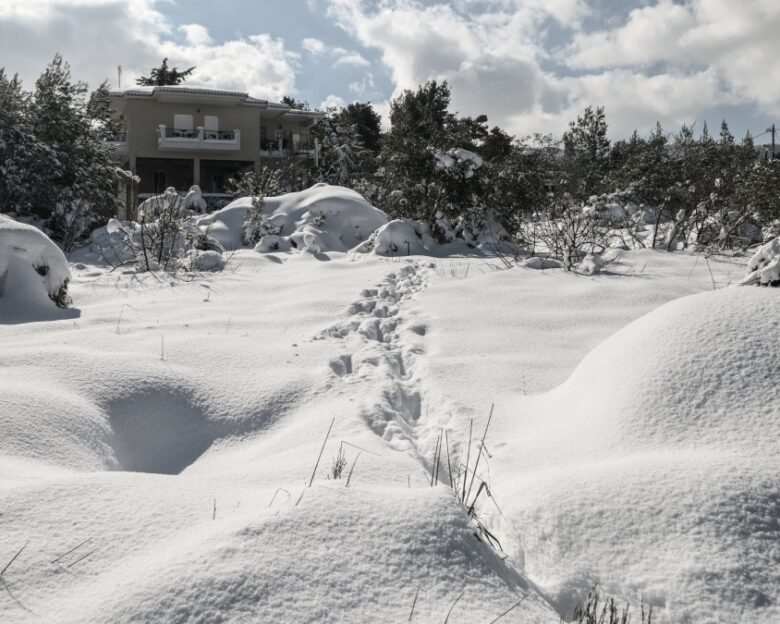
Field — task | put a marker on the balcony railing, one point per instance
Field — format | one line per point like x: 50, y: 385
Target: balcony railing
x: 198, y: 139
x: 219, y: 135
x: 178, y: 134
x: 304, y: 146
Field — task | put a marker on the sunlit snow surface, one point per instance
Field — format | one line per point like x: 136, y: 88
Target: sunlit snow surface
x: 175, y: 425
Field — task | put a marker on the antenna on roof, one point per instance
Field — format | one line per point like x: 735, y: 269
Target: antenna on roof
x: 119, y: 75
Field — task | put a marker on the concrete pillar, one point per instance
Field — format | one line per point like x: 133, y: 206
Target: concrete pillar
x: 195, y: 171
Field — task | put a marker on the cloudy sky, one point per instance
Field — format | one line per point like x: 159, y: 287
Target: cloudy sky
x: 530, y: 65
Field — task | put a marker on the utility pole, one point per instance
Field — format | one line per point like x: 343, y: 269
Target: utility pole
x: 773, y: 131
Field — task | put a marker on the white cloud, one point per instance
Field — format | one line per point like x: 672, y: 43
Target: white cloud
x: 352, y: 59
x: 342, y: 56
x: 313, y: 46
x: 333, y: 101
x: 490, y: 59
x: 528, y: 64
x: 364, y: 88
x: 96, y: 36
x: 260, y: 65
x: 668, y: 61
x: 736, y: 40
x: 196, y: 35
x: 634, y: 100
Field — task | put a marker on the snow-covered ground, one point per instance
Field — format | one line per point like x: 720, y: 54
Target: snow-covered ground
x: 168, y: 434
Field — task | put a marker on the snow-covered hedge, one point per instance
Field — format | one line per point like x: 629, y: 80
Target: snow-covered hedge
x: 33, y: 270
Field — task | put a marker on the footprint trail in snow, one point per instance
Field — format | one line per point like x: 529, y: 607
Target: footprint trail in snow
x: 381, y: 345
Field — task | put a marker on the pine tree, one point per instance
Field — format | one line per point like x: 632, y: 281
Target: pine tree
x: 419, y: 124
x: 293, y: 103
x: 162, y: 76
x: 25, y: 162
x: 54, y: 161
x: 366, y: 122
x: 586, y: 153
x: 341, y: 151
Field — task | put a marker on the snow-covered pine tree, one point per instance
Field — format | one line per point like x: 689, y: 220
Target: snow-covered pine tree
x: 82, y: 187
x: 586, y: 154
x: 25, y: 162
x: 341, y: 151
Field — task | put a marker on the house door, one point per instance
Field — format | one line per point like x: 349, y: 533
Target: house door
x: 183, y: 126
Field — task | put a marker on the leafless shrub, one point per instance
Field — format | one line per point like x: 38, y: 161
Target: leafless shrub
x: 570, y: 231
x: 339, y: 463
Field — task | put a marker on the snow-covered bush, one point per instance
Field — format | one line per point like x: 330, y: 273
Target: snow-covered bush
x: 256, y: 225
x: 322, y: 218
x: 166, y: 237
x: 194, y: 201
x: 33, y: 270
x: 396, y: 238
x: 764, y: 266
x: 591, y: 264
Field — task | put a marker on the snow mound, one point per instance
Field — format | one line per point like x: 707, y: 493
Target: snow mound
x: 207, y: 260
x: 540, y: 263
x: 322, y: 218
x: 653, y: 468
x: 591, y: 264
x: 396, y: 238
x: 33, y: 271
x: 764, y: 266
x: 367, y: 554
x: 194, y: 200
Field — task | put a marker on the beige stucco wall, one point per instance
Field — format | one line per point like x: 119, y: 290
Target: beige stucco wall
x: 142, y: 118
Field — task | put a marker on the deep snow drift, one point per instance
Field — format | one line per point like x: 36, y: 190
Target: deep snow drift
x: 653, y: 468
x: 176, y: 426
x: 662, y: 448
x: 168, y: 436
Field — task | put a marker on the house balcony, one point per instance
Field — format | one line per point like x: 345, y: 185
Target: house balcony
x: 200, y: 139
x: 302, y: 148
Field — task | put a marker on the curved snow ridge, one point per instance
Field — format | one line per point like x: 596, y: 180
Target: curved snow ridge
x: 653, y: 468
x: 382, y: 346
x: 699, y: 370
x: 369, y: 554
x: 161, y: 419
